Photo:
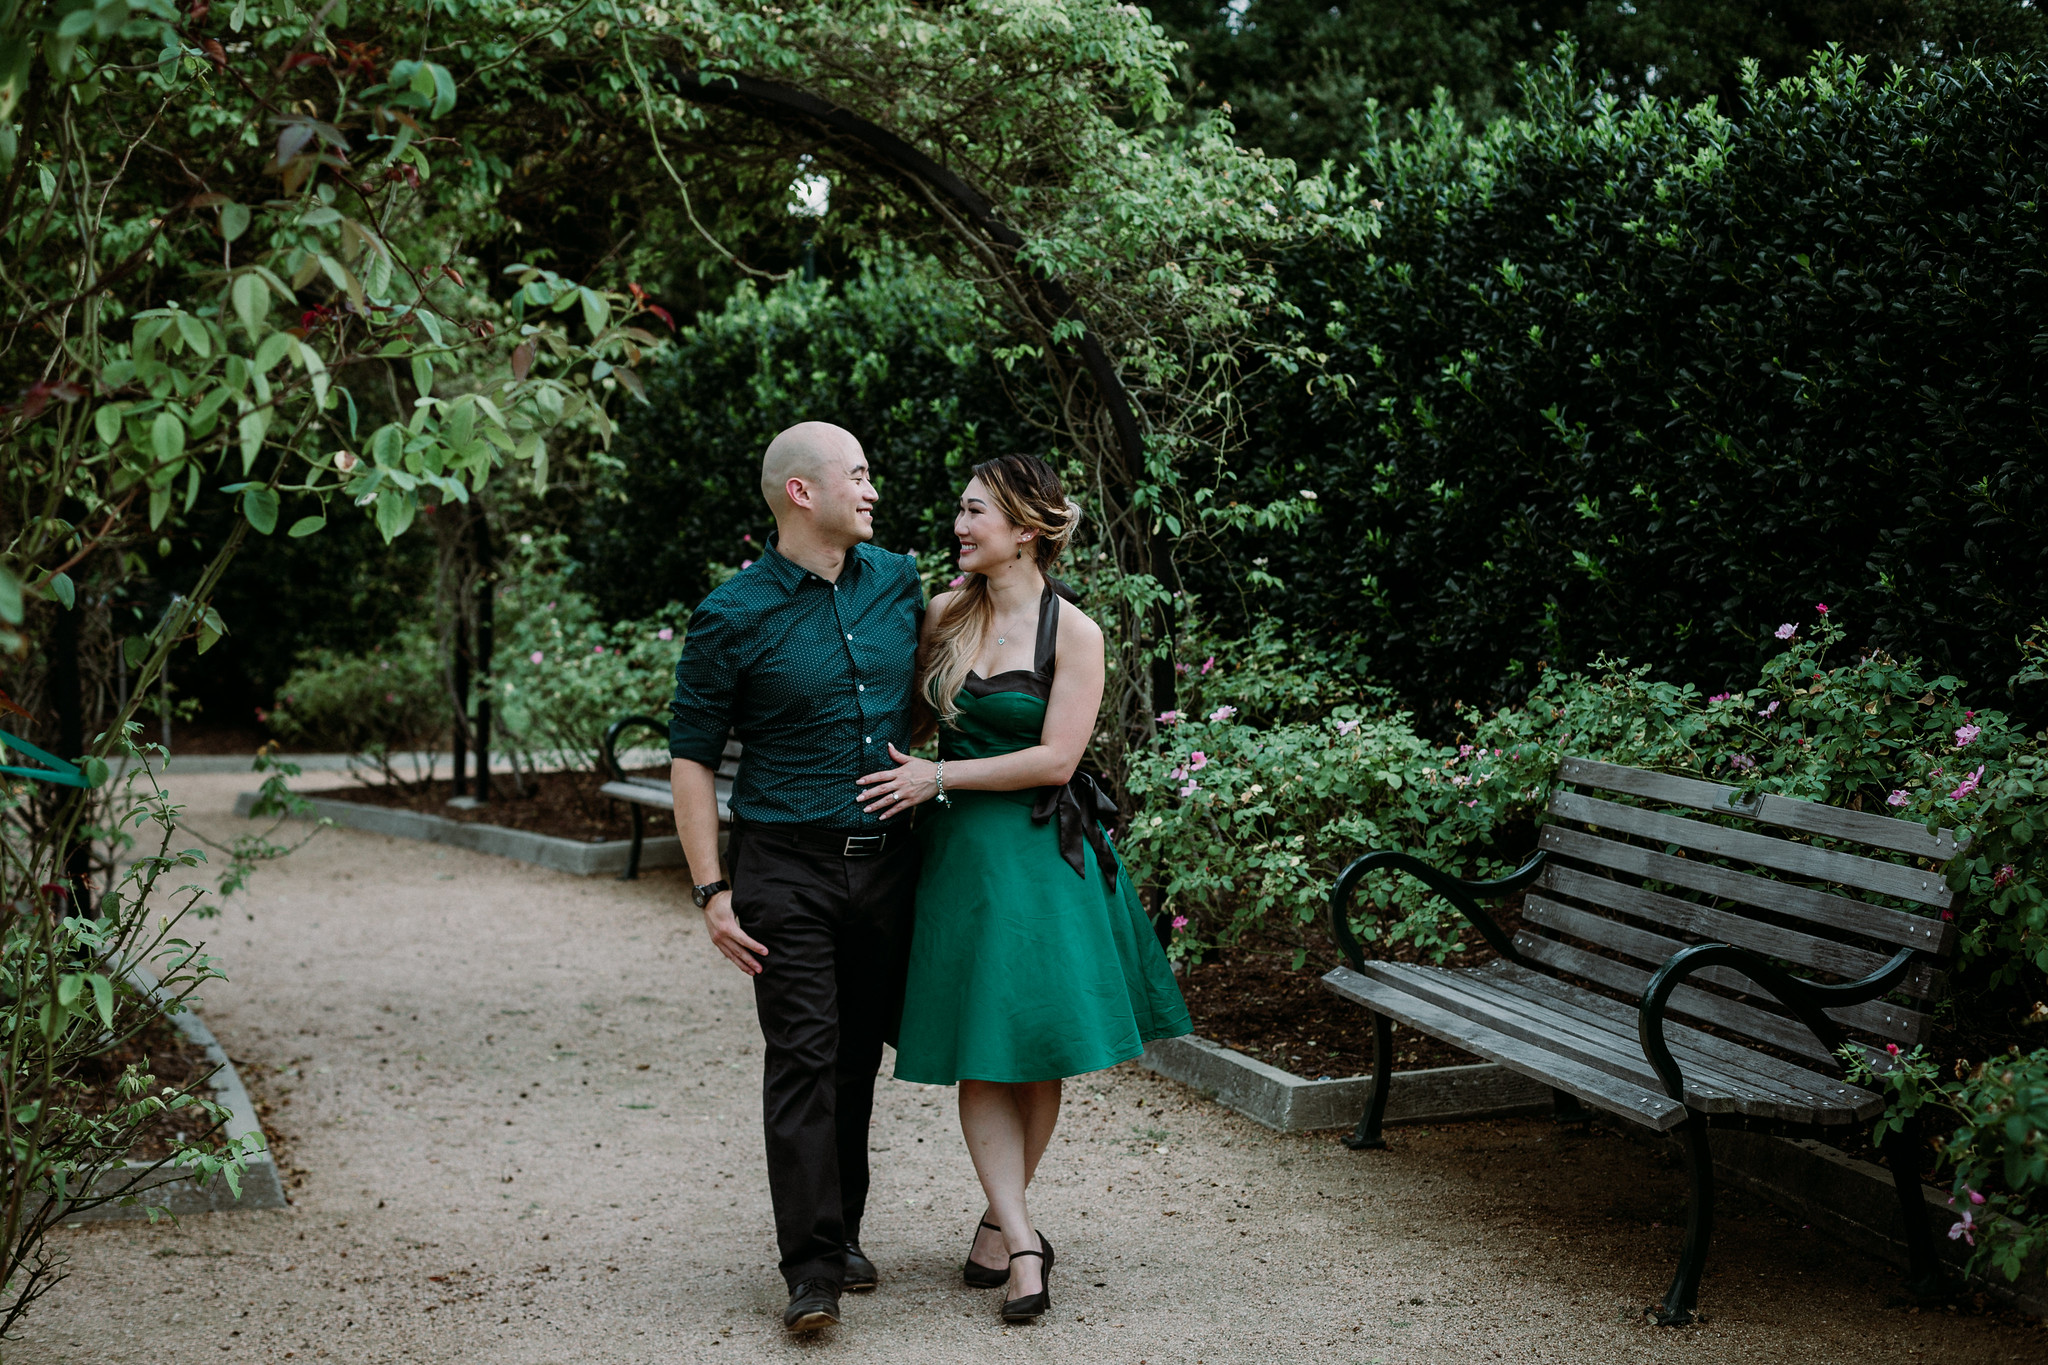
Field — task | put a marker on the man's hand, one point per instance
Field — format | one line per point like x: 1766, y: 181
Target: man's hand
x: 729, y: 938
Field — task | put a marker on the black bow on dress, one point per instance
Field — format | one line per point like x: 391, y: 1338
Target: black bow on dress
x: 1083, y: 808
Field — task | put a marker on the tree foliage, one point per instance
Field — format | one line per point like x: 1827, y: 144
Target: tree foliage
x: 1647, y: 380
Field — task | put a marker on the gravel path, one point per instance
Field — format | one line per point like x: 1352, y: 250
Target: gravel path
x: 523, y: 1107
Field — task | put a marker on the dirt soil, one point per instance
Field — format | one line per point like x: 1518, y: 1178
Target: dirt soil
x: 1252, y: 1002
x: 565, y: 805
x: 527, y: 1110
x: 168, y: 1055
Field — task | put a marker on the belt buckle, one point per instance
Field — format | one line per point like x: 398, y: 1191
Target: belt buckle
x: 876, y: 840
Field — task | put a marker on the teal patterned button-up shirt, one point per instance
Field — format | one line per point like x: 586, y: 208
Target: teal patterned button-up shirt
x: 814, y: 678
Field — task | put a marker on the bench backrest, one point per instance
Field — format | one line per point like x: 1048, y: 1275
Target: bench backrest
x: 1631, y: 880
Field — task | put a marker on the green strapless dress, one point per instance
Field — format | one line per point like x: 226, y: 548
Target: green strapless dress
x: 1024, y: 967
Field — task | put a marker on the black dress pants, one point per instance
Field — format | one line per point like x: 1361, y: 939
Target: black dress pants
x: 829, y: 993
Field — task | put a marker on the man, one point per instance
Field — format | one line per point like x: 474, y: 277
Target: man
x: 808, y: 656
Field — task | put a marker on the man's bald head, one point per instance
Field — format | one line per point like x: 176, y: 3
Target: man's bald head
x: 808, y: 451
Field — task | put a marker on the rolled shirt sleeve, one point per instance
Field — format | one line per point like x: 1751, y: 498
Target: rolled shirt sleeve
x: 707, y: 685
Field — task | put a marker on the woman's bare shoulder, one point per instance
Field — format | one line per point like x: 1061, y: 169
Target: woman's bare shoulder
x: 1078, y: 628
x: 939, y: 604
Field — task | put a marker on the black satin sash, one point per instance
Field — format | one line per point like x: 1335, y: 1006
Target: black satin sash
x: 1083, y: 808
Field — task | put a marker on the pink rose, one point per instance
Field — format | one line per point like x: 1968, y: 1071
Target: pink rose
x: 536, y: 657
x: 746, y: 564
x: 1786, y: 631
x: 1968, y: 784
x: 1208, y: 663
x: 1180, y: 921
x: 1191, y: 788
x: 956, y: 580
x: 1821, y: 607
x: 1197, y: 761
x: 1897, y: 798
x: 1345, y: 727
x: 1966, y: 734
x: 1719, y: 697
x: 1169, y: 717
x: 1222, y: 713
x: 597, y: 649
x: 665, y: 633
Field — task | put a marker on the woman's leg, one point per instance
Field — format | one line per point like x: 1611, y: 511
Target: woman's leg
x: 994, y: 1118
x: 1039, y: 1111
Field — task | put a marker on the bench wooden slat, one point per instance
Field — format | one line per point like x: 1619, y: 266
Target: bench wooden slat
x: 1886, y: 925
x: 1711, y: 1086
x: 1685, y: 1041
x: 646, y: 791
x: 1848, y: 869
x: 1780, y: 1031
x: 1722, y: 926
x: 1809, y: 817
x: 1651, y: 1108
x: 1878, y: 1016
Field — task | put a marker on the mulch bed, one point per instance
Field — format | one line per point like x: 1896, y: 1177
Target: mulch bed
x: 1247, y: 998
x: 173, y: 1059
x: 565, y: 805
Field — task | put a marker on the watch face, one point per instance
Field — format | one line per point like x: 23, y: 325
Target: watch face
x: 697, y: 894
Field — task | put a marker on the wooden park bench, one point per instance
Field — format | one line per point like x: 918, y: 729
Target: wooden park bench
x: 642, y: 794
x: 1638, y: 916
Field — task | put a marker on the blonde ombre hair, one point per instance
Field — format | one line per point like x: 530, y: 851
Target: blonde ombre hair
x: 1027, y: 494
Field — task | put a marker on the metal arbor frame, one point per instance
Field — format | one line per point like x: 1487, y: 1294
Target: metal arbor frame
x: 966, y: 213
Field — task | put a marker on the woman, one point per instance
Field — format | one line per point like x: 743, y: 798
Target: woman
x: 1032, y: 959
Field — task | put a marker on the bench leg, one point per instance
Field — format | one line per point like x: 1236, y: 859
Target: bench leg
x: 632, y: 871
x: 1565, y: 1108
x: 1901, y: 1153
x: 1367, y: 1138
x: 1681, y: 1302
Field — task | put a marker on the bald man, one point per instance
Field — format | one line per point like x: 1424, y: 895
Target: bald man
x: 807, y: 656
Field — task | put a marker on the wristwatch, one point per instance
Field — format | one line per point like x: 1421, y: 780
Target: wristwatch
x: 703, y: 894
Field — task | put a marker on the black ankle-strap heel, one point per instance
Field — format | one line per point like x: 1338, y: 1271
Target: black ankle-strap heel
x: 1032, y: 1306
x: 980, y: 1276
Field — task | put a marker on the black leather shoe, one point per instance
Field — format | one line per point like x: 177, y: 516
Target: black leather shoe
x: 861, y: 1275
x: 1032, y: 1307
x: 812, y: 1304
x: 979, y: 1276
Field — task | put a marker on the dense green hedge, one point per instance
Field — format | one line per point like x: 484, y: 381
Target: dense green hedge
x: 895, y: 356
x: 1649, y: 381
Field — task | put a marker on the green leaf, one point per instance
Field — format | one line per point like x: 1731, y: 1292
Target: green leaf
x: 252, y: 302
x: 194, y: 333
x: 394, y: 513
x: 252, y: 428
x: 423, y: 375
x: 275, y: 347
x: 135, y: 649
x: 259, y: 505
x: 234, y: 221
x: 167, y: 437
x: 103, y: 997
x: 107, y: 421
x: 211, y: 628
x: 69, y: 987
x: 444, y: 88
x: 596, y: 312
x: 10, y: 596
x: 66, y: 592
x: 306, y: 526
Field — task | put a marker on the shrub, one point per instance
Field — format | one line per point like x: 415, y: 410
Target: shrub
x: 1245, y: 825
x: 378, y: 704
x: 563, y: 672
x: 1637, y: 380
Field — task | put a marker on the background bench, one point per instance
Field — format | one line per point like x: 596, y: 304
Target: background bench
x: 642, y: 794
x: 1637, y: 916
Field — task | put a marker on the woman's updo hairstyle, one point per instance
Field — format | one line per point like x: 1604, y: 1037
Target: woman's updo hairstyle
x: 1025, y: 492
x: 1029, y: 495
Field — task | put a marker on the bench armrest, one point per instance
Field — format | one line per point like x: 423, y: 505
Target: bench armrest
x: 1806, y: 999
x: 1459, y: 893
x: 610, y: 747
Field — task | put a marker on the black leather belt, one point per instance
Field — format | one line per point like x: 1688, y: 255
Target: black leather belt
x: 840, y: 843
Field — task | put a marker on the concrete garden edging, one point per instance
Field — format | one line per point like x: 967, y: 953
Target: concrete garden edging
x: 1291, y: 1104
x: 182, y: 1194
x: 1850, y: 1200
x: 547, y: 850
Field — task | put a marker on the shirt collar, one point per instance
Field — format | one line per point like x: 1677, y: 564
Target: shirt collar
x: 791, y: 574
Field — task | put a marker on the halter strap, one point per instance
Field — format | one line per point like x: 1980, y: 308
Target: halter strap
x: 1047, y: 650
